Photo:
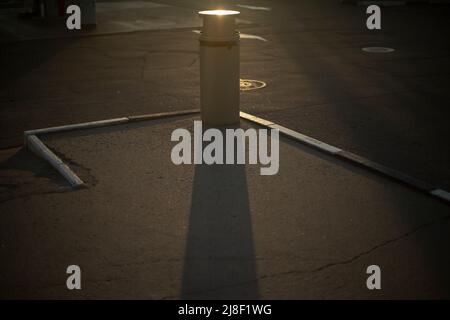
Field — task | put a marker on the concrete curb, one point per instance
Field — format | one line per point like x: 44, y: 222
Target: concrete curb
x: 155, y: 116
x: 77, y: 126
x: 34, y: 144
x: 40, y: 149
x: 293, y: 134
x: 107, y: 122
x: 353, y: 158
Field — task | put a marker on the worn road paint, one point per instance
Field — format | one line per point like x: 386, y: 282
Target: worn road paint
x: 254, y: 8
x: 377, y: 49
x: 243, y: 36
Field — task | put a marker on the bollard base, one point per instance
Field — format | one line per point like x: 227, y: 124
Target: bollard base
x: 213, y: 122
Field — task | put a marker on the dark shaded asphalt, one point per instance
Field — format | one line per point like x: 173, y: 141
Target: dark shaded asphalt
x: 390, y: 108
x: 312, y: 237
x: 145, y: 228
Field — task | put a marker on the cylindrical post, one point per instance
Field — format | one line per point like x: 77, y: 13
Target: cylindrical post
x: 219, y: 68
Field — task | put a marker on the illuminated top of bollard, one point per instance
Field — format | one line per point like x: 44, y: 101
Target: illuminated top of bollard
x: 219, y: 13
x: 219, y: 25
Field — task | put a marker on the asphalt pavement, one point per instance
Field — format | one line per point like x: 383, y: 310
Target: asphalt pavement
x: 139, y: 228
x: 146, y: 228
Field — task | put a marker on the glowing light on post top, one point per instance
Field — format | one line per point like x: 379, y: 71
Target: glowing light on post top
x: 219, y: 12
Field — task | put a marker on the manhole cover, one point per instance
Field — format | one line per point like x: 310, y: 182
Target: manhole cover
x: 246, y: 84
x: 377, y: 49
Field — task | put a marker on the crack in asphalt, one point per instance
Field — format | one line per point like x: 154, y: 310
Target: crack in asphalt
x: 325, y: 266
x: 361, y: 254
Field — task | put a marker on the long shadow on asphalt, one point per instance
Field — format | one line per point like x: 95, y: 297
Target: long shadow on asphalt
x: 23, y: 174
x: 220, y: 258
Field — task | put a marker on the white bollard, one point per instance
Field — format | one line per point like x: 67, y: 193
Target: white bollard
x: 219, y: 68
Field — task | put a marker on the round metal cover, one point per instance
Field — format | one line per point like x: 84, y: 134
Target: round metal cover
x: 377, y: 49
x: 247, y: 84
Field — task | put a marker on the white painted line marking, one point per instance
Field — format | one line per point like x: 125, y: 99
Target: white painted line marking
x: 242, y: 35
x: 441, y: 194
x: 243, y: 21
x: 378, y: 49
x: 251, y: 36
x: 254, y: 7
x: 40, y: 149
